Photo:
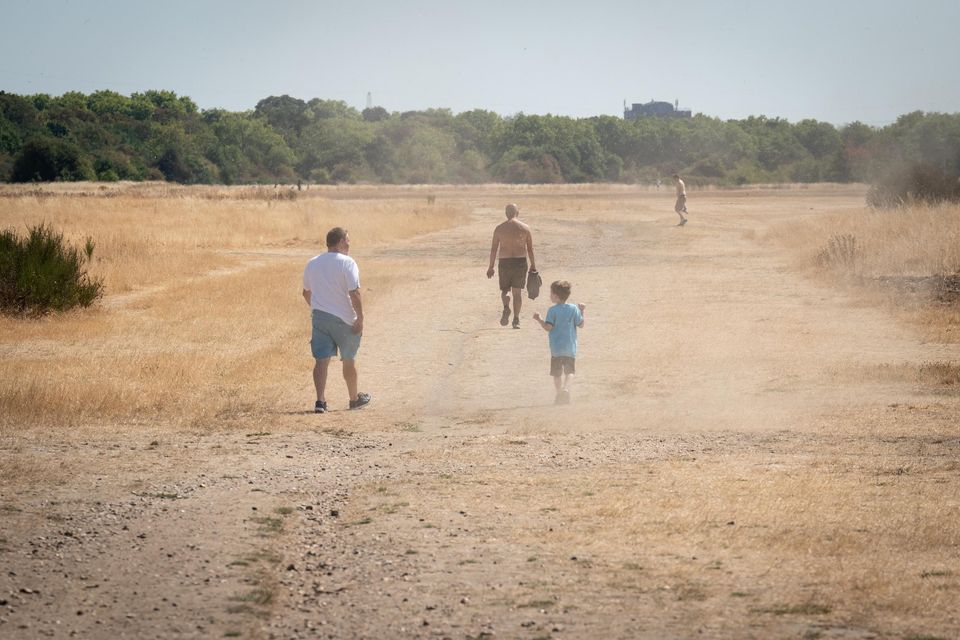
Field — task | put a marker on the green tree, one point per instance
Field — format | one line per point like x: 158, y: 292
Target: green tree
x: 48, y: 159
x: 318, y: 109
x: 375, y: 114
x: 285, y: 114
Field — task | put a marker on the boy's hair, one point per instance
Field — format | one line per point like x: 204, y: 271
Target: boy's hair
x: 561, y: 288
x: 335, y: 235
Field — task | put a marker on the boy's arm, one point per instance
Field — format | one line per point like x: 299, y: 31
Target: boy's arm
x: 583, y: 309
x: 547, y: 326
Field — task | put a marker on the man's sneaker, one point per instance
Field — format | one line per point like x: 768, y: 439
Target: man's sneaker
x: 362, y: 400
x: 563, y: 397
x: 516, y: 322
x: 505, y: 318
x: 320, y: 407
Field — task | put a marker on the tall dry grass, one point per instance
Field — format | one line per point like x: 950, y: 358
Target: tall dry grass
x: 150, y: 234
x: 921, y: 240
x: 202, y: 320
x: 907, y: 259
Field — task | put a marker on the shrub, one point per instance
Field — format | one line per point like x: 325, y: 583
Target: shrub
x: 922, y: 182
x: 41, y: 273
x: 842, y: 252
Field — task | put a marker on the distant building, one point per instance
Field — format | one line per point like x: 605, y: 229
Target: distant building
x: 654, y: 109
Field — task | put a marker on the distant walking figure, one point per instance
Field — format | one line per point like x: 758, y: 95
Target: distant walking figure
x: 513, y: 242
x: 331, y: 286
x: 681, y: 206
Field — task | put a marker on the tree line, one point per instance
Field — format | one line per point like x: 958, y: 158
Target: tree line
x: 158, y: 135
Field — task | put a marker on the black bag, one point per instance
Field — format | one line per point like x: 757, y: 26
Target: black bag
x: 533, y: 284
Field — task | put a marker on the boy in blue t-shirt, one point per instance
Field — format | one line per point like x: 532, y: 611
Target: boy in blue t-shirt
x: 561, y: 322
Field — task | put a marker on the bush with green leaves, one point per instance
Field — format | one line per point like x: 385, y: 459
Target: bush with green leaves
x: 40, y: 273
x: 48, y: 159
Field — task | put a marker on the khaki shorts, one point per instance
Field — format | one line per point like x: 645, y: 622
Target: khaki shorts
x: 513, y: 273
x: 681, y: 204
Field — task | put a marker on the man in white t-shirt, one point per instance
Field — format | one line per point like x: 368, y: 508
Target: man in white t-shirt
x: 331, y: 286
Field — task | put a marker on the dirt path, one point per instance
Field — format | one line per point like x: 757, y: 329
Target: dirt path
x: 463, y: 504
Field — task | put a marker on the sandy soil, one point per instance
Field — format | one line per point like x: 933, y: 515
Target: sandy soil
x: 741, y: 459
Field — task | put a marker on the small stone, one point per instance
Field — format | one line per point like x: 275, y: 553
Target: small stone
x: 334, y: 513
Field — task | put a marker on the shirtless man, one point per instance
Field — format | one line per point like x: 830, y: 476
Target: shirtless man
x: 681, y: 206
x: 513, y: 240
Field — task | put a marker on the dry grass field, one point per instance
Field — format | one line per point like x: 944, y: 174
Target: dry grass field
x: 762, y: 444
x: 201, y: 308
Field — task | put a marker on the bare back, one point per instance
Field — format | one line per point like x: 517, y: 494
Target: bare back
x: 513, y: 238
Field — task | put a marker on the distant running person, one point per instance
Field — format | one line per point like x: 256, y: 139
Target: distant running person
x: 331, y: 286
x: 681, y: 206
x: 513, y: 241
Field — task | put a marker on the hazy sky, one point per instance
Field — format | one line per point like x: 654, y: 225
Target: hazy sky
x: 834, y: 60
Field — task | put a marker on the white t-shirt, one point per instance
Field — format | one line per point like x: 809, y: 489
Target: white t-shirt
x: 329, y: 277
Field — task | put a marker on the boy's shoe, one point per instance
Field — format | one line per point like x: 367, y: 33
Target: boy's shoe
x: 682, y: 222
x: 363, y: 399
x: 563, y: 397
x: 516, y: 323
x: 320, y: 407
x: 505, y: 317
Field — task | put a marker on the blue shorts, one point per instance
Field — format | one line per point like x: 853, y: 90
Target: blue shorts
x: 331, y: 334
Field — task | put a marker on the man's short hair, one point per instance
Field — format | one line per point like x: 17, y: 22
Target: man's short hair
x: 561, y: 288
x: 676, y: 176
x: 335, y: 235
x: 512, y: 211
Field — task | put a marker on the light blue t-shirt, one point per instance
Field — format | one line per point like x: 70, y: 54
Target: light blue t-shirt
x: 565, y: 318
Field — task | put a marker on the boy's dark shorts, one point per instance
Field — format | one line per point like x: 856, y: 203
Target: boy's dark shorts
x: 561, y: 365
x: 513, y: 273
